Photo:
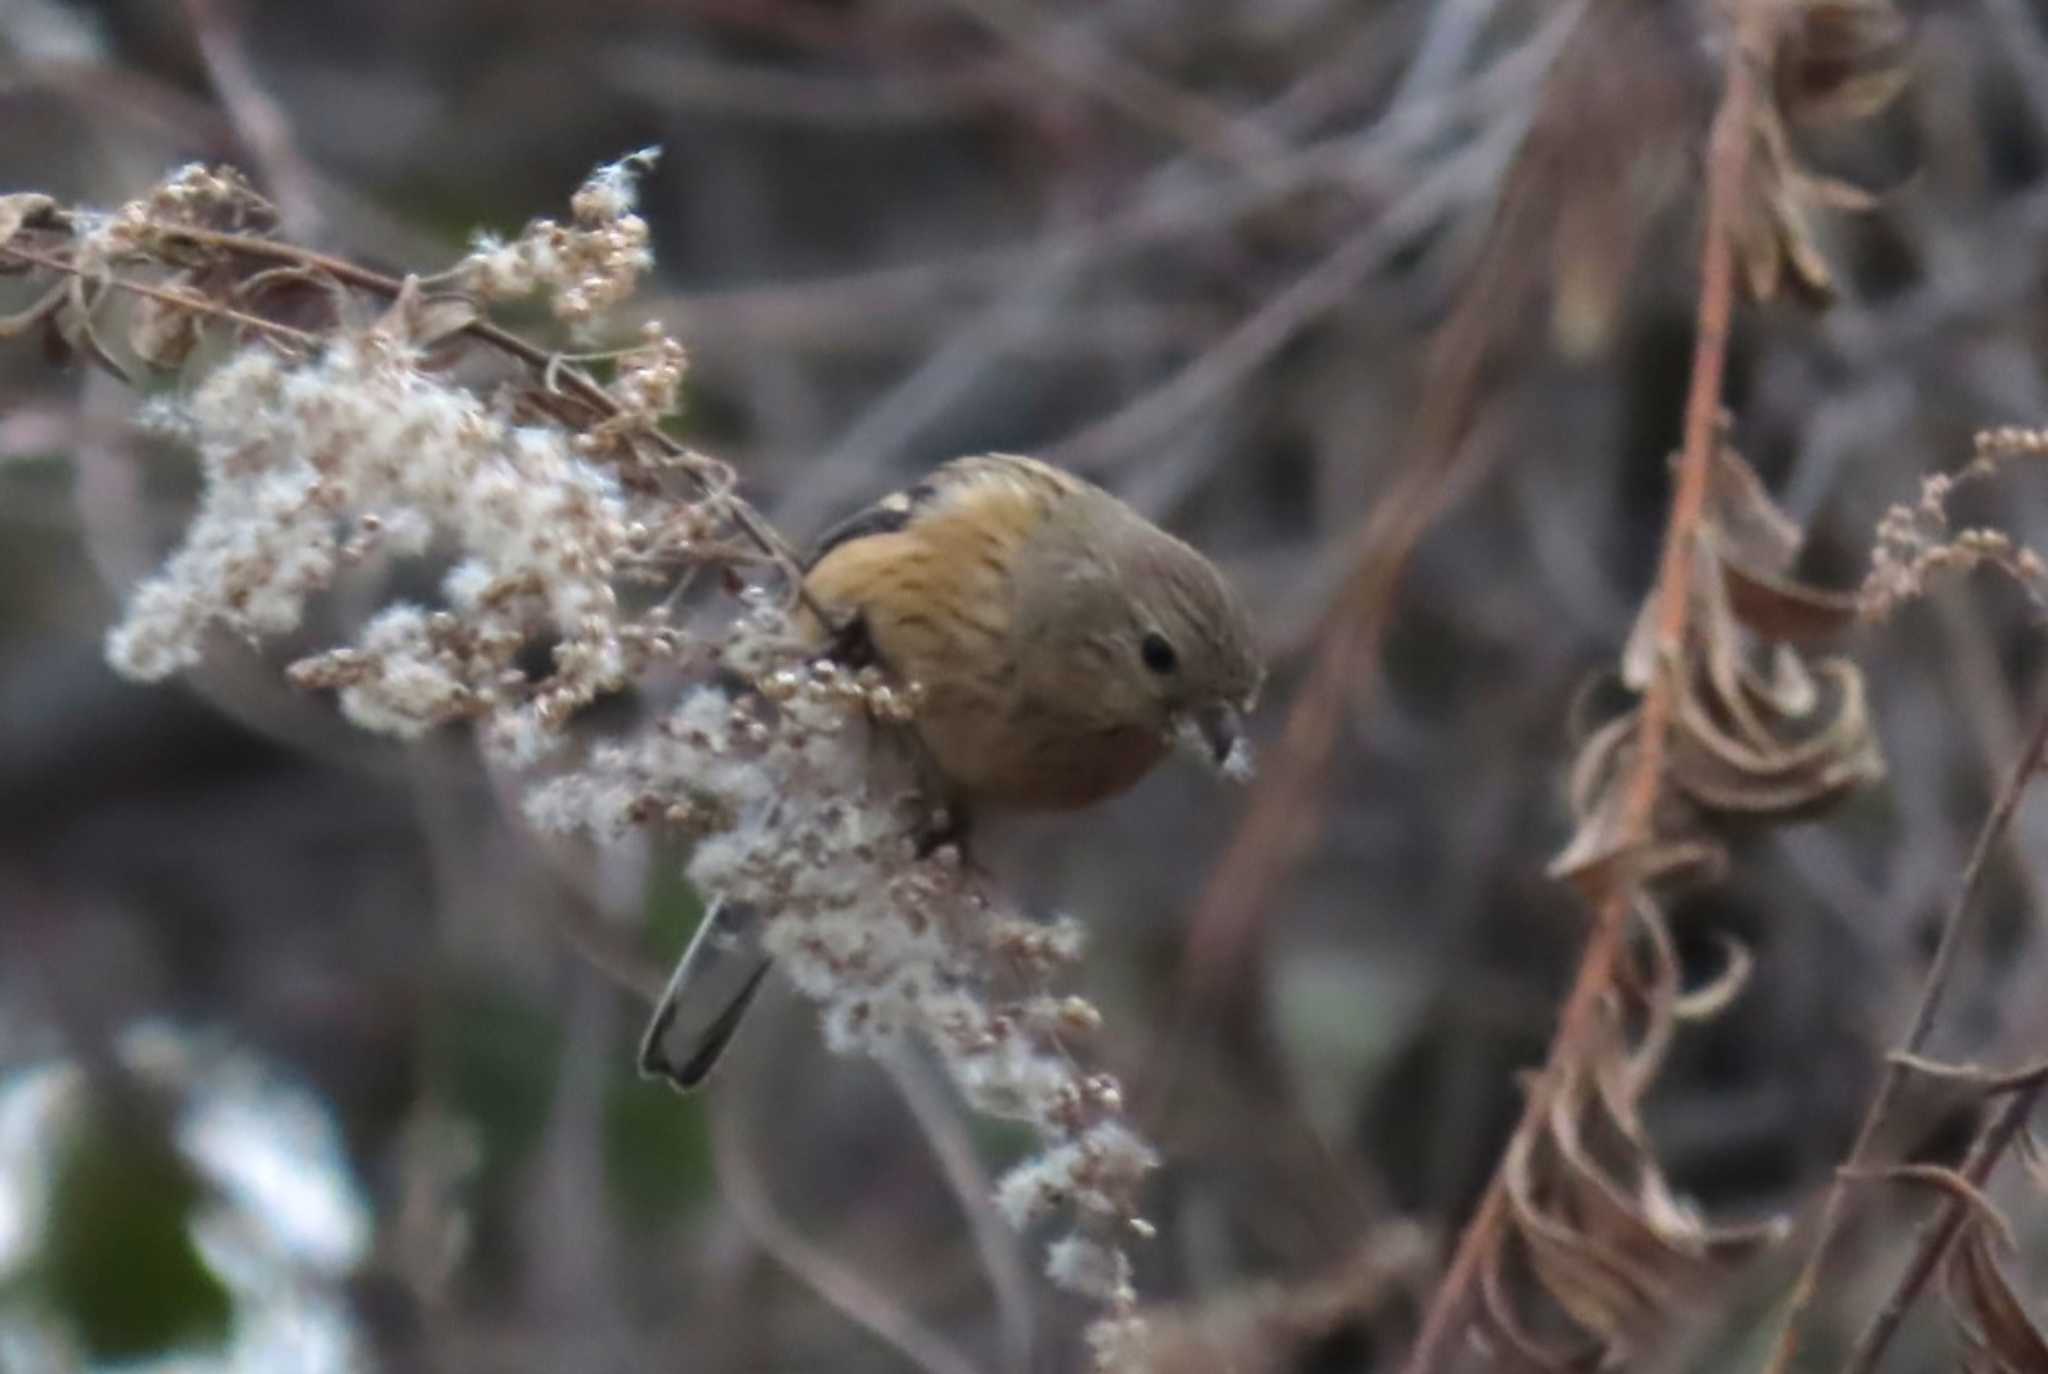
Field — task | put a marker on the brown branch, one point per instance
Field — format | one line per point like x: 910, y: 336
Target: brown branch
x: 839, y: 1284
x: 1983, y: 1082
x: 183, y: 300
x: 1938, y: 1232
x: 1281, y: 822
x: 1149, y: 421
x: 994, y: 1239
x: 1077, y: 58
x: 1955, y: 925
x: 1728, y: 156
x: 261, y: 123
x: 1440, y: 461
x: 544, y: 363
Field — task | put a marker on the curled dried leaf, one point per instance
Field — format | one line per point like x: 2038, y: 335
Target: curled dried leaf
x: 1997, y: 1334
x: 1979, y: 1209
x: 1774, y: 240
x: 1743, y: 519
x: 1610, y: 1250
x: 1503, y: 1324
x: 1710, y: 999
x: 71, y: 329
x: 1783, y: 609
x: 22, y: 210
x: 1785, y: 777
x: 1757, y: 731
x: 1839, y: 61
x: 1832, y: 62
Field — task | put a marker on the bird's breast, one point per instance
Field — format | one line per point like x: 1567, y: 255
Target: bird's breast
x: 1023, y: 760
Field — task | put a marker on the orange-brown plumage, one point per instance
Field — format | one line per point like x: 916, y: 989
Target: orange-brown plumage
x: 1063, y: 644
x: 1019, y: 597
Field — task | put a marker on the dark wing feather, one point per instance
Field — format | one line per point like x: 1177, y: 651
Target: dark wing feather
x: 710, y: 991
x: 982, y: 474
x: 886, y: 516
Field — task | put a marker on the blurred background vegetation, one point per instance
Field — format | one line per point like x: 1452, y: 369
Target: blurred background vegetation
x: 305, y: 1061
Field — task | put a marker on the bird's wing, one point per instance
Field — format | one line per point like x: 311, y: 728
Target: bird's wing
x: 963, y: 487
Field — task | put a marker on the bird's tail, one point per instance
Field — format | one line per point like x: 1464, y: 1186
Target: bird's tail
x: 707, y: 996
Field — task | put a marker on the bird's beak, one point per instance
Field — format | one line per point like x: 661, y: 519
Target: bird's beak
x: 1215, y: 733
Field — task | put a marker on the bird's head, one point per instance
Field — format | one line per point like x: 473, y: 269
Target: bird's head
x: 1130, y: 628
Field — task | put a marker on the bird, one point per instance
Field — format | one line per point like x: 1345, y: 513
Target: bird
x: 1062, y: 645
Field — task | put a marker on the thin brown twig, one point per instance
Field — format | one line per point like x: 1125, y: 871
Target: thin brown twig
x: 262, y: 124
x: 1938, y: 1232
x: 1983, y: 1082
x: 183, y: 300
x: 835, y: 1282
x: 541, y: 361
x: 1178, y: 193
x: 691, y: 82
x: 1077, y: 58
x: 994, y: 1238
x: 1192, y: 201
x: 1440, y: 461
x: 1954, y: 927
x: 1152, y: 418
x: 1727, y: 155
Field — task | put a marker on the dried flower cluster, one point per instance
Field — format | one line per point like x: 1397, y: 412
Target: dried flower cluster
x: 309, y: 465
x: 329, y: 435
x: 808, y: 814
x: 1917, y: 543
x: 586, y: 266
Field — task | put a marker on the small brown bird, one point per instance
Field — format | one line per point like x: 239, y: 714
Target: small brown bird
x: 1064, y: 645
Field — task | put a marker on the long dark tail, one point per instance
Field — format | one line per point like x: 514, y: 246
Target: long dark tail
x: 707, y: 997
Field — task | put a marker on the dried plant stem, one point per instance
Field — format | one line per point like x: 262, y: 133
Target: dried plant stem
x: 258, y: 118
x: 838, y: 1284
x: 1441, y: 461
x: 994, y: 1239
x: 1728, y: 155
x: 1077, y: 58
x: 547, y: 364
x: 1281, y: 825
x: 1939, y: 1231
x: 183, y: 300
x: 1955, y: 925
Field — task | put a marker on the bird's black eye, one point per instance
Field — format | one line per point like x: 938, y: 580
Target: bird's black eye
x: 1158, y: 654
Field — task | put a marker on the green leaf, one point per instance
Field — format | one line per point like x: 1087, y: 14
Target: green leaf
x: 118, y: 1262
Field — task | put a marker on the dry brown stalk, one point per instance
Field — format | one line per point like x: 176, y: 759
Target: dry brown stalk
x: 1955, y: 924
x: 547, y: 365
x: 1445, y: 452
x: 1938, y: 1234
x: 1728, y: 157
x: 840, y: 1284
x: 1280, y: 825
